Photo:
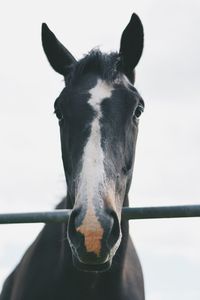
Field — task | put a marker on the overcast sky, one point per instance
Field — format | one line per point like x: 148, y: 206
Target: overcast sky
x: 167, y: 168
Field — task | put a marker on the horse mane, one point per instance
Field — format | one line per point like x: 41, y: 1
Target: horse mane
x: 104, y: 64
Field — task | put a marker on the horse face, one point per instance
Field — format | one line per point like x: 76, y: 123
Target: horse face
x: 98, y: 114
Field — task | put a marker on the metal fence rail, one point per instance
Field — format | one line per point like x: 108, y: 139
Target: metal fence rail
x: 128, y: 213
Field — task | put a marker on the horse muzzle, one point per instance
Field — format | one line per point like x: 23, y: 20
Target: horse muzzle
x: 93, y: 237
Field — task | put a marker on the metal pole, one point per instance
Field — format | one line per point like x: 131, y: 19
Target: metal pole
x: 128, y: 213
x: 160, y: 212
x: 56, y: 216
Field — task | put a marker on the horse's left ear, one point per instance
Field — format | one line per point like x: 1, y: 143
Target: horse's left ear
x: 131, y: 45
x: 58, y: 56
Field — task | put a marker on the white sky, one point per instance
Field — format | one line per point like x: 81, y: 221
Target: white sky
x: 167, y: 161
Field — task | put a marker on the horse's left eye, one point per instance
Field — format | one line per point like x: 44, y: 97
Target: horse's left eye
x: 139, y: 110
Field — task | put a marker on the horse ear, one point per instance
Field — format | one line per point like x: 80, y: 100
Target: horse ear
x: 131, y: 45
x: 58, y: 56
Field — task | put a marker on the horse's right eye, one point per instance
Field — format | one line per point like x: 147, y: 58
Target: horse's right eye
x: 59, y: 114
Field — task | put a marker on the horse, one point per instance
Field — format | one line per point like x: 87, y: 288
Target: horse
x: 91, y: 257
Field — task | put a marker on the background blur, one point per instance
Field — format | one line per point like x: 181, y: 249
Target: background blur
x: 167, y: 168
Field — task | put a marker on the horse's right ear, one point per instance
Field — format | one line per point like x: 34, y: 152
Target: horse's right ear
x: 58, y: 56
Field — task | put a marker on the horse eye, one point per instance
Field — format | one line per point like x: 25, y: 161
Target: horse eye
x: 58, y: 114
x: 139, y: 110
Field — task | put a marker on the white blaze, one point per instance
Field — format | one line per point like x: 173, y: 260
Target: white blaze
x: 92, y: 174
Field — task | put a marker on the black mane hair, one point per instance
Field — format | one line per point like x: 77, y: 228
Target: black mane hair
x: 107, y: 66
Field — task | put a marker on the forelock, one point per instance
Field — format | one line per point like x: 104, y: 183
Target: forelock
x: 106, y: 66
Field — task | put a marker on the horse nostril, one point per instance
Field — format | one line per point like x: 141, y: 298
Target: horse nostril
x: 115, y: 230
x: 72, y: 226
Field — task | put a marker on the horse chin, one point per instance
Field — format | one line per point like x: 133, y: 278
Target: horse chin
x: 85, y: 267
